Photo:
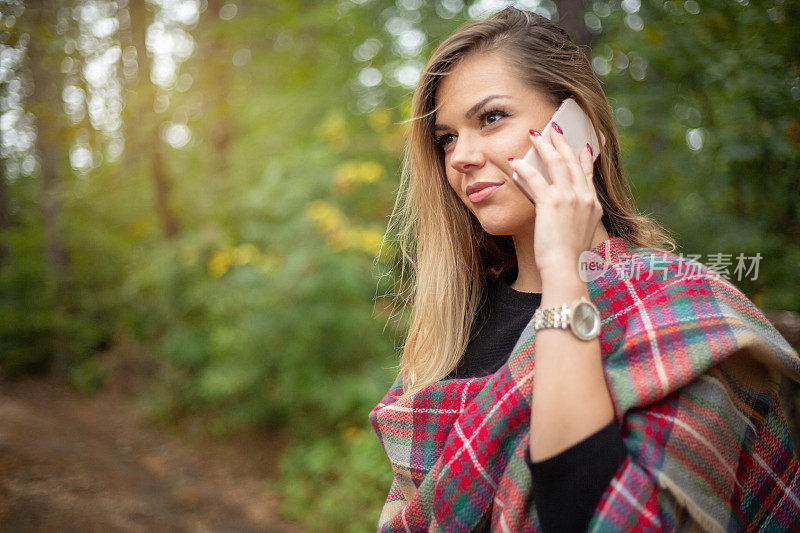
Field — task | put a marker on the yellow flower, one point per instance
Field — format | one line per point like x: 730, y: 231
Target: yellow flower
x: 344, y: 235
x: 352, y: 173
x: 379, y: 119
x: 346, y: 174
x: 368, y: 240
x: 327, y: 216
x: 370, y: 171
x: 333, y: 129
x: 138, y: 228
x: 220, y: 262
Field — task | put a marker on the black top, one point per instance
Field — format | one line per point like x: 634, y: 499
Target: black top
x: 503, y: 314
x: 566, y: 487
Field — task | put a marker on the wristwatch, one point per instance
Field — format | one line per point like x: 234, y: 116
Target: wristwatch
x: 581, y: 316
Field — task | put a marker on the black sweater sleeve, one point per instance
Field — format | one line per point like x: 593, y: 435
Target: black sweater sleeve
x: 567, y: 487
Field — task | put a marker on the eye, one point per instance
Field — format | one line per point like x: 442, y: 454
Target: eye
x: 444, y: 140
x: 492, y: 115
x: 487, y: 118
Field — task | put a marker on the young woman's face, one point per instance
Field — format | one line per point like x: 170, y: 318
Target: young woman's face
x: 484, y: 117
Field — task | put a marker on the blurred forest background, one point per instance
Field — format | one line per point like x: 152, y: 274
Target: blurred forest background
x: 208, y: 182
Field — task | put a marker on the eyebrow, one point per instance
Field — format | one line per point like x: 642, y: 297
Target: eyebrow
x: 472, y: 110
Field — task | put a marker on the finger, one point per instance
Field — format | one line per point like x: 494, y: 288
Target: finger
x: 527, y: 178
x: 576, y: 174
x: 556, y: 166
x: 587, y: 165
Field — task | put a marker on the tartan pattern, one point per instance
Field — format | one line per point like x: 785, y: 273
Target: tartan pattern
x: 693, y: 368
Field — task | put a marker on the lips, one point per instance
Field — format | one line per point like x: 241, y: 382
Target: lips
x: 475, y: 187
x: 480, y: 194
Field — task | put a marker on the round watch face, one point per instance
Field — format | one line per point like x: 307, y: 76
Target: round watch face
x: 585, y: 321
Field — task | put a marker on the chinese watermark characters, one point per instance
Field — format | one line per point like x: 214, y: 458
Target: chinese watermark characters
x: 591, y: 266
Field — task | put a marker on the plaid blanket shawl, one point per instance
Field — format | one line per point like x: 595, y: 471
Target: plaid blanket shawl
x: 693, y: 368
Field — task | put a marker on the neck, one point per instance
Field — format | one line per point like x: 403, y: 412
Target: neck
x: 528, y: 278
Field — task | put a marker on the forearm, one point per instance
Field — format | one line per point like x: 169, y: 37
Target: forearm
x: 570, y: 398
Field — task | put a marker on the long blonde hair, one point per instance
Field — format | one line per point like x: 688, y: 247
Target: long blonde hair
x: 444, y: 251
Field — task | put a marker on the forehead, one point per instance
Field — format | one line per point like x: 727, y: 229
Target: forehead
x: 474, y: 77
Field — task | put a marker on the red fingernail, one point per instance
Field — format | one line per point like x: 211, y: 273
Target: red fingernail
x: 510, y: 158
x: 590, y: 149
x: 534, y: 133
x: 557, y: 128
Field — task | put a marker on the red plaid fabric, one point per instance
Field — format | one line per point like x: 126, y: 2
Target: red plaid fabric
x: 693, y: 368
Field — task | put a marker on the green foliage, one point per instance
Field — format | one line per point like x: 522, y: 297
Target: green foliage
x: 256, y: 340
x: 25, y: 316
x: 706, y: 98
x: 87, y: 376
x: 337, y: 483
x: 27, y: 319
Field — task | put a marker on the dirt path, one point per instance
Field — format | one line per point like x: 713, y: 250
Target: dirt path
x: 71, y: 463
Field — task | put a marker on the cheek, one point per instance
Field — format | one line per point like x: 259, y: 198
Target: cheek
x: 454, y: 183
x: 517, y: 210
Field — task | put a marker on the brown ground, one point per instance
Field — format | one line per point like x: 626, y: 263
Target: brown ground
x: 74, y: 463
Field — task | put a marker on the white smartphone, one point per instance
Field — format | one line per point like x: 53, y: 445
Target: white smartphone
x: 578, y: 131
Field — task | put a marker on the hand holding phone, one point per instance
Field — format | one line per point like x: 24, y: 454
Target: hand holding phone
x: 578, y: 131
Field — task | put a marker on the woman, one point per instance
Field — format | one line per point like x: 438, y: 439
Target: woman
x: 666, y: 418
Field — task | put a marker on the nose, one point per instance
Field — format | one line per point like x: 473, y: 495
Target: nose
x: 466, y: 154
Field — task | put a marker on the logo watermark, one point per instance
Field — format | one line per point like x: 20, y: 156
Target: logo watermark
x: 592, y: 265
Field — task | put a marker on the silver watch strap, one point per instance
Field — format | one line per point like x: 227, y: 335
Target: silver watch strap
x: 551, y: 317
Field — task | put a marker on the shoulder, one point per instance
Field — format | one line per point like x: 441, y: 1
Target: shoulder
x: 657, y: 289
x: 646, y: 273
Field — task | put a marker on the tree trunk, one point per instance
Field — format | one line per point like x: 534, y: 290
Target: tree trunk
x: 570, y: 18
x: 44, y: 58
x: 169, y: 223
x: 5, y: 215
x: 142, y: 123
x: 214, y: 80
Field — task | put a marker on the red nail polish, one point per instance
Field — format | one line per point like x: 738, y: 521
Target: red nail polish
x: 510, y: 158
x: 557, y: 128
x: 534, y: 133
x: 590, y: 149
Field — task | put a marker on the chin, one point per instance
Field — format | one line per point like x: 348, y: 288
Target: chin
x: 508, y: 218
x: 505, y: 225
